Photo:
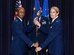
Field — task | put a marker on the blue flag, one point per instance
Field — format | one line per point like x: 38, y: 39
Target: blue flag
x: 36, y: 8
x: 45, y: 10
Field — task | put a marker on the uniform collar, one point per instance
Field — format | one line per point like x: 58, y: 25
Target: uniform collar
x: 19, y: 18
x: 54, y: 18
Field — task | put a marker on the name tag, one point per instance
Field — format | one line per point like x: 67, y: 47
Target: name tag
x: 49, y: 23
x: 50, y: 27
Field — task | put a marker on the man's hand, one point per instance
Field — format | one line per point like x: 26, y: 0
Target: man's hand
x: 36, y: 22
x: 38, y: 49
x: 36, y: 44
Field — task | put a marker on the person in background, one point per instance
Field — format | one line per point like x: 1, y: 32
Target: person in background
x: 42, y: 24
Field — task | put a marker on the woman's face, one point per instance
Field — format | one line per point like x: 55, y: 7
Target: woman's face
x: 53, y: 13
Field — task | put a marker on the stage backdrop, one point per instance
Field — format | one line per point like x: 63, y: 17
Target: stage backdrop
x: 7, y: 8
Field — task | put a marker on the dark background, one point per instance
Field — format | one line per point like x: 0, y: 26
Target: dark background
x: 7, y: 8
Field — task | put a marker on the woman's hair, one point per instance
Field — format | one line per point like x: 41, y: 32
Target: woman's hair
x: 55, y: 8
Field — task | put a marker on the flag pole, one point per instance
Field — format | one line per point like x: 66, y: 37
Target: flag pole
x: 36, y: 8
x: 36, y: 38
x: 38, y: 14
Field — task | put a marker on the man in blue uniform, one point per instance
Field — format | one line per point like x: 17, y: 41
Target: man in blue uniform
x: 20, y: 40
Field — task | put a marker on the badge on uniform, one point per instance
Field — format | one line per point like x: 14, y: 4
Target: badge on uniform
x: 50, y: 27
x: 43, y: 22
x: 57, y: 21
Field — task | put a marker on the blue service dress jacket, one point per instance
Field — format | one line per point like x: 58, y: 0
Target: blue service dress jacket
x: 20, y: 40
x: 55, y: 39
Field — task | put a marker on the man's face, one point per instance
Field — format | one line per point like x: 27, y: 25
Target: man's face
x: 21, y: 13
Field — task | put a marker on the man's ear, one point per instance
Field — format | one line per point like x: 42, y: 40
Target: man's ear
x: 17, y: 14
